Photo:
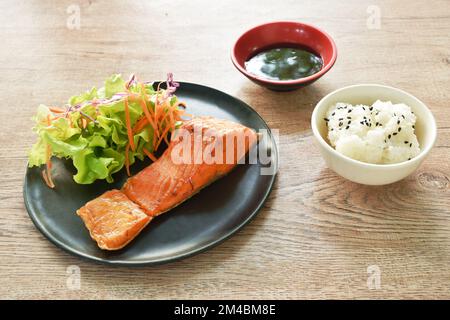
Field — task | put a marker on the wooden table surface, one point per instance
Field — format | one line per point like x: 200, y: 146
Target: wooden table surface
x: 318, y: 235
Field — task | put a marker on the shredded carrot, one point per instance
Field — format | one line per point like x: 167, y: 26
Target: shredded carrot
x: 57, y: 110
x: 127, y: 159
x: 188, y: 115
x: 46, y: 173
x: 156, y: 119
x: 153, y: 122
x: 140, y: 124
x: 172, y: 112
x: 172, y: 122
x: 128, y: 124
x: 166, y: 140
x: 166, y: 113
x: 48, y: 179
x: 148, y: 115
x: 150, y: 155
x: 164, y: 135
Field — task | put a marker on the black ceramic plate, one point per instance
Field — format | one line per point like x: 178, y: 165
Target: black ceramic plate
x: 203, y: 221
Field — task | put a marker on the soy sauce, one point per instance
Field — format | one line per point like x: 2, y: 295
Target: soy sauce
x: 284, y: 63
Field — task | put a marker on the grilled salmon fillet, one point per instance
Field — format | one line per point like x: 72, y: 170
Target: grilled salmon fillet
x: 201, y: 151
x: 113, y: 220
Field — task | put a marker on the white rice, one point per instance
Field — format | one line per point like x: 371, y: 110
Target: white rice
x: 382, y: 133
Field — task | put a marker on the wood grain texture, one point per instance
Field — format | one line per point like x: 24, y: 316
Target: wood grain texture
x: 318, y: 233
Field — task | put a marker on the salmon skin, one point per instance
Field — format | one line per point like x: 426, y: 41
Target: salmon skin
x: 113, y: 220
x: 201, y: 151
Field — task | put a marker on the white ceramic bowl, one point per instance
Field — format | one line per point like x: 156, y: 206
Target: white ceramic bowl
x: 366, y: 173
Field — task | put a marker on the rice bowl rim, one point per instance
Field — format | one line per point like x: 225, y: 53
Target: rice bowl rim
x: 430, y: 126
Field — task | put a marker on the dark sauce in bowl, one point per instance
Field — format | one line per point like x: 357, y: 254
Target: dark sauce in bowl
x: 284, y: 63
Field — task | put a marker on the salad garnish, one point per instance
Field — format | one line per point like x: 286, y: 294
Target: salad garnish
x: 103, y: 130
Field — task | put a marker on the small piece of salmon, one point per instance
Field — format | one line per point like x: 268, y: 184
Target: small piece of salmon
x: 113, y: 220
x: 169, y: 181
x: 201, y: 151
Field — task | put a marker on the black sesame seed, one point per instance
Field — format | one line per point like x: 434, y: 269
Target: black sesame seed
x: 409, y: 158
x: 326, y: 119
x: 389, y: 136
x: 403, y: 116
x: 349, y: 121
x: 410, y: 145
x: 406, y: 142
x: 340, y: 124
x: 349, y: 110
x: 395, y: 133
x: 346, y: 128
x: 376, y: 124
x: 398, y: 122
x: 340, y: 119
x: 399, y: 129
x: 414, y: 126
x: 371, y: 108
x: 349, y: 117
x: 333, y: 113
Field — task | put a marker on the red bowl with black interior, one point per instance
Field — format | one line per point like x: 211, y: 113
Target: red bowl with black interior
x: 284, y: 34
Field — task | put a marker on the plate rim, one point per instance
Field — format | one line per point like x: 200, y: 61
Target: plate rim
x: 181, y: 256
